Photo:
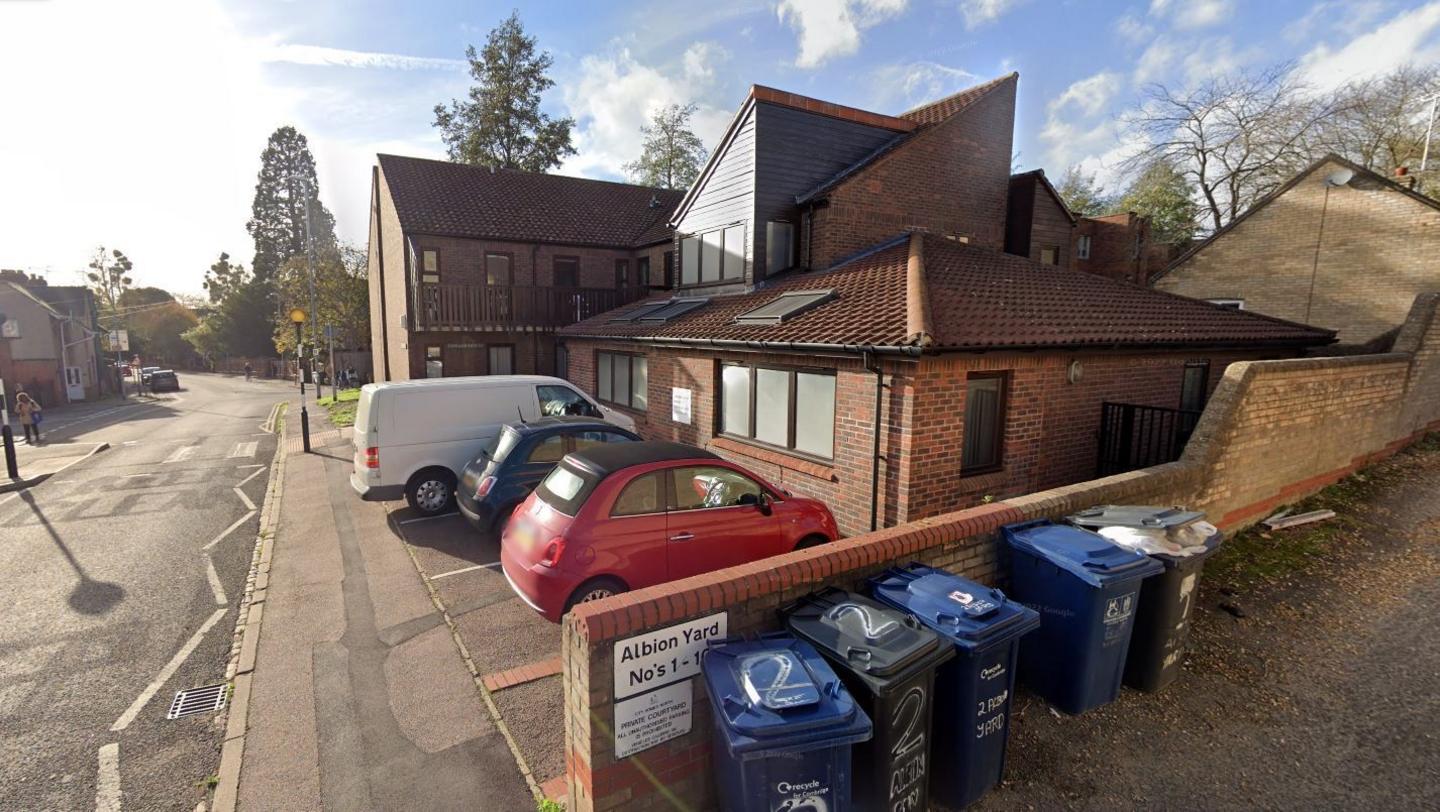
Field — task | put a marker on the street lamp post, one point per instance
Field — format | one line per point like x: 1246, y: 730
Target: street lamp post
x: 297, y: 317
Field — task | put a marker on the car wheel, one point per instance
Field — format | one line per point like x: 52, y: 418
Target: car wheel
x: 431, y: 491
x: 811, y: 541
x: 594, y: 590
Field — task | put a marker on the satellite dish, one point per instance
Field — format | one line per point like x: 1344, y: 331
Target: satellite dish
x: 1339, y: 177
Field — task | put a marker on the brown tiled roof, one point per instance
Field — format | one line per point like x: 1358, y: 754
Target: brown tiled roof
x: 458, y: 200
x: 979, y: 300
x: 937, y: 111
x: 824, y: 108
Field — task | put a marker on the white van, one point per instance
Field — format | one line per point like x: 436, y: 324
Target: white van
x: 413, y: 438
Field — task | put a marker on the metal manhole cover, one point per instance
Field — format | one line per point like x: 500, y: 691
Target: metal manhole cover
x: 209, y: 699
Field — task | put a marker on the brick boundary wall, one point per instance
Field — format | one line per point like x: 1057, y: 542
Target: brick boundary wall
x: 1273, y: 433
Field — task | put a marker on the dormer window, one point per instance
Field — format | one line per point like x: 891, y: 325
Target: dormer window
x: 713, y: 257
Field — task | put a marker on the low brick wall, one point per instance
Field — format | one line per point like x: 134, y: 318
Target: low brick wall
x: 1274, y: 432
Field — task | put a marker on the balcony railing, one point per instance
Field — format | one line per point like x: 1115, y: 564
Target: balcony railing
x: 486, y: 307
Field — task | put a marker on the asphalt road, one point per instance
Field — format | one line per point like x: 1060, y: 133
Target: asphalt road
x: 110, y: 603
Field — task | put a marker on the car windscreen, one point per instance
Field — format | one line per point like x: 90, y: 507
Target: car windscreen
x: 566, y: 488
x: 497, y: 448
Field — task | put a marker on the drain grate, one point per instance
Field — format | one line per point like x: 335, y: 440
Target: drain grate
x: 209, y: 699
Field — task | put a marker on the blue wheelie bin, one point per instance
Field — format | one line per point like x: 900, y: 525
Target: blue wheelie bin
x: 973, y: 690
x: 784, y: 725
x: 1086, y: 590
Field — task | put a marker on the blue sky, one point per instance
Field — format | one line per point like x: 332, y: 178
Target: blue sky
x: 140, y: 124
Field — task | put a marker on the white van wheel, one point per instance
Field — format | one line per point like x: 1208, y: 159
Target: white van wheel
x: 431, y: 491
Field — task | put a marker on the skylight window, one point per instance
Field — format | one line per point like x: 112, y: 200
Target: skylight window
x: 786, y: 306
x: 640, y: 312
x: 673, y: 308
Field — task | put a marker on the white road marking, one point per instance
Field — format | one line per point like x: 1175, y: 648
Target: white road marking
x: 215, y: 585
x: 251, y: 465
x: 133, y: 476
x: 181, y: 453
x: 227, y: 531
x: 492, y: 565
x: 250, y: 506
x: 252, y: 476
x: 430, y: 518
x: 165, y: 673
x: 107, y: 784
x: 243, y: 449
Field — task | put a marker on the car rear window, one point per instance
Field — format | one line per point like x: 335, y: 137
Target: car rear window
x: 565, y: 489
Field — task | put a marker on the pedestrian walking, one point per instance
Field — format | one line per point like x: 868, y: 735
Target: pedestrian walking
x: 247, y: 370
x: 30, y: 416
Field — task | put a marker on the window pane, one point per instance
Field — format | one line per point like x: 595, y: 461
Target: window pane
x: 432, y: 262
x: 734, y: 267
x: 641, y: 496
x: 567, y: 273
x: 497, y: 269
x: 603, y: 375
x: 778, y: 237
x: 622, y: 273
x: 815, y: 414
x: 689, y: 260
x: 562, y: 362
x: 710, y: 257
x: 502, y: 360
x: 622, y: 379
x: 639, y: 383
x: 735, y: 400
x: 712, y: 487
x: 642, y: 271
x: 561, y: 400
x: 983, y: 423
x: 550, y: 449
x: 772, y: 406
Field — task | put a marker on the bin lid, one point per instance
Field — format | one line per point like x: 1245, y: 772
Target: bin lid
x: 1087, y: 555
x: 1145, y: 516
x: 968, y: 613
x: 870, y: 638
x: 777, y: 686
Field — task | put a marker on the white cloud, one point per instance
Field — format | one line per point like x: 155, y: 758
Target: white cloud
x: 1412, y: 37
x: 1344, y: 16
x: 1132, y: 29
x: 1187, y: 14
x: 831, y: 28
x: 615, y: 95
x: 340, y: 57
x: 1077, y: 123
x: 980, y: 12
x: 1155, y: 61
x: 916, y: 83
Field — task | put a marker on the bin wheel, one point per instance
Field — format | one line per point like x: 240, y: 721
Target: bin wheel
x: 811, y: 541
x: 594, y: 590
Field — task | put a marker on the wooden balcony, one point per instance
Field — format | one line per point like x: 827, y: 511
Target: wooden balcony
x: 505, y: 308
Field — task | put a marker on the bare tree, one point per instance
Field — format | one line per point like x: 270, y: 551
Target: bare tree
x: 1381, y: 124
x: 1236, y: 137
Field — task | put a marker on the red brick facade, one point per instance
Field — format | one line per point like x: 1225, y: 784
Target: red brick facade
x: 951, y: 179
x: 1050, y: 425
x: 1121, y: 248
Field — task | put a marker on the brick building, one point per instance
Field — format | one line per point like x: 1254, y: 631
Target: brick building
x: 1119, y: 246
x: 989, y: 372
x: 48, y: 343
x: 472, y: 270
x: 1038, y: 224
x: 1337, y: 246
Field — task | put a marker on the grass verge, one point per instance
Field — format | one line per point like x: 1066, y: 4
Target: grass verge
x: 341, y: 407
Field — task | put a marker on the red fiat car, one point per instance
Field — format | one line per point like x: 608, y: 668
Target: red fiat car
x: 622, y: 516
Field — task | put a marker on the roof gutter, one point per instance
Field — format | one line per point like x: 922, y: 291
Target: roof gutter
x: 736, y: 344
x: 916, y: 352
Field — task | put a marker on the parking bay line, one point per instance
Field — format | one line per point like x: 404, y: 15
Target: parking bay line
x: 165, y: 673
x: 181, y: 453
x: 492, y: 565
x: 215, y: 585
x: 430, y: 518
x: 107, y: 783
x: 227, y: 531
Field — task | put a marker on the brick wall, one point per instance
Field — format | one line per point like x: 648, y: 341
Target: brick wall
x: 1112, y: 246
x: 950, y: 179
x: 1377, y: 252
x: 1273, y: 432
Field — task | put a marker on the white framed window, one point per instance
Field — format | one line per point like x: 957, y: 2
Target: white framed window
x: 713, y: 256
x: 1234, y: 304
x: 1082, y: 247
x: 429, y: 266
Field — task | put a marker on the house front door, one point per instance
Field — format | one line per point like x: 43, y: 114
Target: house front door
x: 74, y: 386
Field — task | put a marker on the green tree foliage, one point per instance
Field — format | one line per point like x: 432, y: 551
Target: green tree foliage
x: 109, y: 276
x: 1082, y: 194
x: 342, y: 299
x: 1164, y: 195
x: 223, y: 278
x: 157, y: 332
x: 673, y: 154
x: 499, y: 124
x: 286, y: 183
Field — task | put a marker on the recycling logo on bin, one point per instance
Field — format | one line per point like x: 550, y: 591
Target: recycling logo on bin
x: 1118, y: 611
x: 804, y: 797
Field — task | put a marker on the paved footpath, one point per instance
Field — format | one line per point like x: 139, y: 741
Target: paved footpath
x: 359, y: 697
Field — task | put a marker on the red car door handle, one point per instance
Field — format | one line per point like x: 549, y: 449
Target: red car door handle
x: 682, y: 537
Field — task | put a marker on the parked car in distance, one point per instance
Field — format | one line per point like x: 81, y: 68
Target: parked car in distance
x: 146, y: 372
x: 622, y: 516
x: 514, y: 462
x: 164, y: 380
x: 414, y: 438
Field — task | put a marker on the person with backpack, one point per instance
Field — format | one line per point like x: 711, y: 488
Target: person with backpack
x: 30, y: 416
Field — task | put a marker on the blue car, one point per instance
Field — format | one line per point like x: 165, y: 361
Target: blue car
x: 512, y: 464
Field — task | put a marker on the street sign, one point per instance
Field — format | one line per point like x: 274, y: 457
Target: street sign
x: 120, y: 340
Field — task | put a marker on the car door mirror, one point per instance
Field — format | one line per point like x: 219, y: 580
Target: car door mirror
x: 763, y: 503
